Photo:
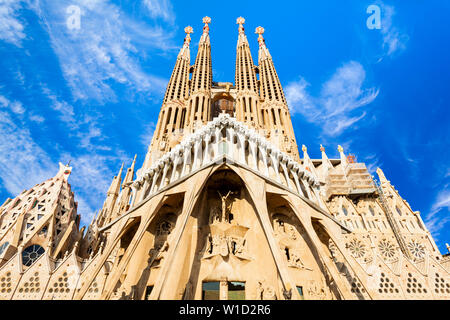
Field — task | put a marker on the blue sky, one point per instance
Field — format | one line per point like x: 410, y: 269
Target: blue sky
x: 92, y: 95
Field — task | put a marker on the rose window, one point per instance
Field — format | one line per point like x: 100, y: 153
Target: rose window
x: 31, y: 254
x: 387, y: 249
x: 416, y: 249
x: 357, y: 248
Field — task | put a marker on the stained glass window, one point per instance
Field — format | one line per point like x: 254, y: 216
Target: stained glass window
x: 31, y: 254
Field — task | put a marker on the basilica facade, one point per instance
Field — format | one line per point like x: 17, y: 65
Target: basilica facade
x: 225, y: 206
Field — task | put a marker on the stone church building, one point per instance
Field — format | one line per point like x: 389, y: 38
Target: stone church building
x: 224, y: 207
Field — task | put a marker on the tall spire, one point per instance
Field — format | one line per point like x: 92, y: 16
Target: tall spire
x: 111, y: 196
x: 381, y: 176
x: 178, y: 84
x: 344, y: 161
x: 64, y: 171
x: 277, y: 118
x: 130, y: 173
x: 205, y: 35
x: 115, y: 184
x: 242, y: 37
x: 246, y: 81
x: 173, y: 114
x: 199, y: 100
x: 326, y: 163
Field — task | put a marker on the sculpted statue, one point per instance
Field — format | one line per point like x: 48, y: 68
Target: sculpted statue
x: 215, y: 215
x: 164, y: 228
x: 225, y: 208
x: 265, y: 291
x: 223, y: 246
x: 291, y: 232
x: 279, y: 226
x: 295, y: 260
x: 259, y: 291
x: 287, y: 294
x: 316, y: 291
x: 157, y: 253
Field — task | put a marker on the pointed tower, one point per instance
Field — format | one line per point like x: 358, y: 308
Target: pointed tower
x: 107, y: 213
x: 173, y: 117
x: 277, y: 119
x: 200, y: 96
x: 43, y: 218
x: 246, y: 82
x: 125, y: 194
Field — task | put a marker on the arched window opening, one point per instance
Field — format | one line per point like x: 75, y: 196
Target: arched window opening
x: 344, y: 210
x: 3, y: 247
x: 31, y: 254
x: 286, y: 251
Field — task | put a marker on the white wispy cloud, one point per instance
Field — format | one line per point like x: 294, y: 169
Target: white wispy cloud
x: 23, y: 163
x: 11, y: 28
x: 442, y: 202
x: 102, y: 53
x: 372, y: 162
x: 439, y: 215
x: 17, y: 108
x: 160, y: 9
x: 394, y: 40
x: 340, y: 96
x: 147, y: 134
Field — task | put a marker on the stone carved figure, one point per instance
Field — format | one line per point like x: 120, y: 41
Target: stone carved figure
x: 225, y: 245
x: 265, y: 291
x: 164, y: 228
x: 215, y: 215
x: 157, y: 253
x: 291, y: 232
x: 295, y: 260
x: 316, y: 291
x: 225, y: 208
x: 208, y: 246
x: 287, y: 294
x: 279, y: 226
x: 259, y: 291
x: 269, y: 293
x: 284, y: 229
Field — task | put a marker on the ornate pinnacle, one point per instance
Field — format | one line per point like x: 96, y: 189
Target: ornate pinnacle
x: 322, y: 148
x: 304, y: 149
x: 340, y: 149
x: 206, y: 20
x: 188, y: 30
x: 260, y: 32
x: 240, y: 21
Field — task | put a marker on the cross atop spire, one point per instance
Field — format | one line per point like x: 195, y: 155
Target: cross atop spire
x: 206, y: 20
x: 64, y: 171
x: 260, y: 31
x: 240, y: 21
x: 188, y: 30
x: 205, y: 36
